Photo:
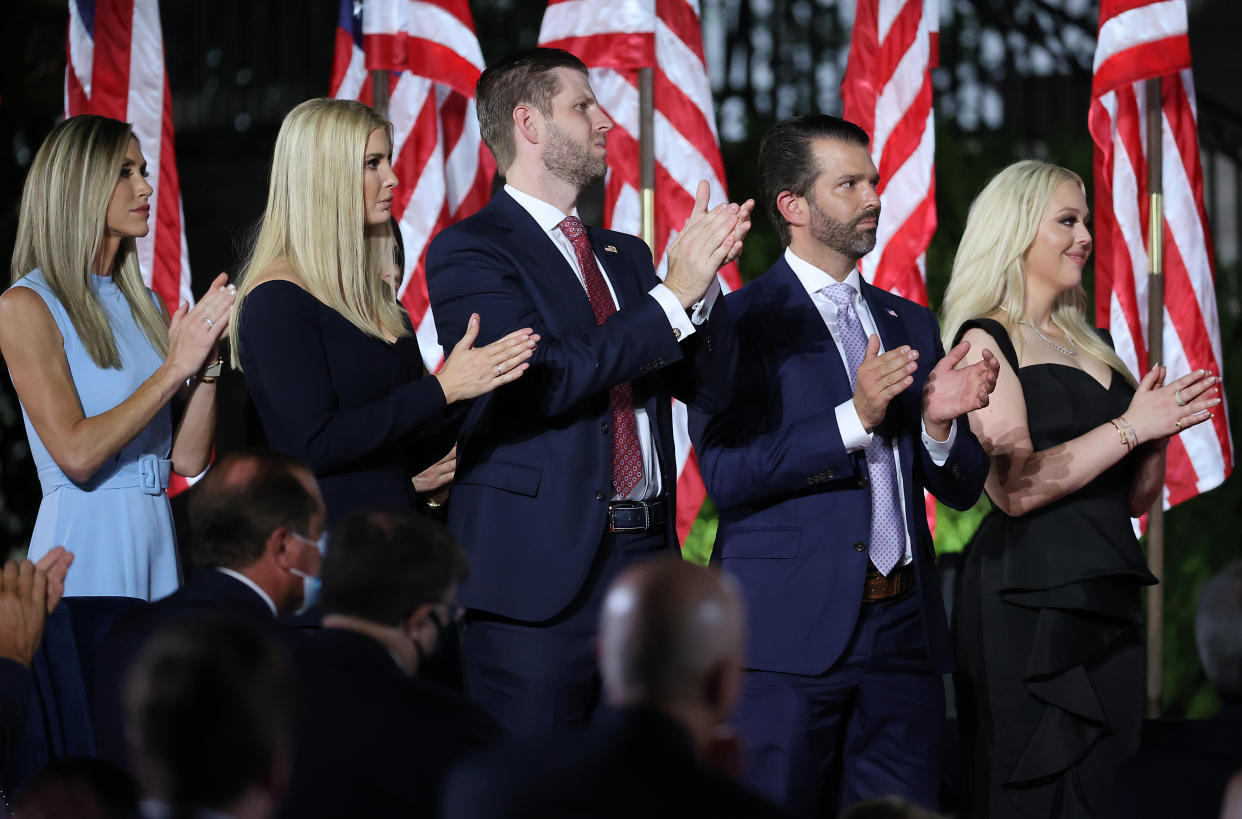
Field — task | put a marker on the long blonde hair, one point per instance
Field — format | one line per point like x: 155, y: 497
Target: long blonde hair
x: 64, y: 214
x: 315, y: 219
x: 990, y: 266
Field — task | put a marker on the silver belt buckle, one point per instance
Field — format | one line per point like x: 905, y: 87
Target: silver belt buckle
x: 612, y: 518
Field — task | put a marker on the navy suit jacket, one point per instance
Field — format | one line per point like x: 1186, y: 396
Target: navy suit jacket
x: 534, y: 457
x: 795, y: 508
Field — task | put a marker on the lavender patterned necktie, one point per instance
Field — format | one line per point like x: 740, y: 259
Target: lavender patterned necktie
x: 888, y: 534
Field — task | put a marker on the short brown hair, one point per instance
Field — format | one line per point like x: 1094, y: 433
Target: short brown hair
x: 525, y: 78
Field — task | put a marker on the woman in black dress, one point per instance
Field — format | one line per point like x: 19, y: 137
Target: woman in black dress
x: 1049, y: 621
x: 330, y: 359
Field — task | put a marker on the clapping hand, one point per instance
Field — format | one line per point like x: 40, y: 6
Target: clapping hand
x: 709, y: 240
x: 950, y: 392
x: 1159, y: 410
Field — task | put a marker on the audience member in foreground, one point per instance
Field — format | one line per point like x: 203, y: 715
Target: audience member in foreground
x: 28, y: 593
x: 671, y: 641
x: 258, y: 524
x: 1183, y: 766
x: 371, y: 739
x: 208, y: 709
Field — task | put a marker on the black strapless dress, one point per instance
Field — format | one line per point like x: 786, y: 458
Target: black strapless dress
x: 1048, y: 622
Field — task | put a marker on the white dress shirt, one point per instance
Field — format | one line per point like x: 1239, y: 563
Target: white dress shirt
x: 549, y: 218
x: 853, y: 434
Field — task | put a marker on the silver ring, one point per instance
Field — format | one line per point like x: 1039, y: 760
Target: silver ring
x: 499, y: 372
x: 210, y: 323
x: 1177, y: 396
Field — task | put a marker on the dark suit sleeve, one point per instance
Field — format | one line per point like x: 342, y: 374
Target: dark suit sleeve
x: 15, y: 684
x: 743, y: 461
x: 959, y: 482
x: 466, y: 275
x: 283, y: 349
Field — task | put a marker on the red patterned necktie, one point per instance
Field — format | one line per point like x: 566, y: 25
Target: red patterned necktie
x: 627, y: 459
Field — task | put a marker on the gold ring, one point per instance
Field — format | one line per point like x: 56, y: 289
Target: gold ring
x: 1177, y: 396
x: 1178, y: 423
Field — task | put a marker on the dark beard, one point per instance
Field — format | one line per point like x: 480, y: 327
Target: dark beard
x: 571, y: 162
x: 844, y: 238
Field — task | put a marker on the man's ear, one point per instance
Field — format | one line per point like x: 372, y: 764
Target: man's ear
x: 793, y: 208
x: 276, y: 547
x: 528, y: 123
x: 419, y: 619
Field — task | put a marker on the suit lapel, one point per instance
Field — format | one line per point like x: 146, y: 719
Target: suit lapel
x: 800, y: 319
x: 618, y: 270
x: 545, y: 266
x: 888, y: 321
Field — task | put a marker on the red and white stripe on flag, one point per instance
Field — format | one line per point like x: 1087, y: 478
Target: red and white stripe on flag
x: 615, y: 38
x: 887, y: 91
x: 445, y: 170
x: 1141, y: 40
x: 115, y: 69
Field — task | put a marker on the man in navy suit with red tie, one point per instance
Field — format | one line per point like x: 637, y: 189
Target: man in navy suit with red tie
x: 848, y: 409
x: 567, y: 475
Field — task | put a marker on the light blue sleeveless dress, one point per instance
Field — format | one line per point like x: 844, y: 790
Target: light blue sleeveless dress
x: 118, y: 523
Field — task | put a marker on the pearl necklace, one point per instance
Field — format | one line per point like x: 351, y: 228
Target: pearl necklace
x: 1071, y: 351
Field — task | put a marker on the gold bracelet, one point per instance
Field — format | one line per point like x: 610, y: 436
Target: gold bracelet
x: 1125, y: 439
x: 1131, y: 435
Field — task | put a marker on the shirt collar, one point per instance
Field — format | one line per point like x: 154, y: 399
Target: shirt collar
x: 255, y: 587
x: 545, y: 213
x: 814, y: 279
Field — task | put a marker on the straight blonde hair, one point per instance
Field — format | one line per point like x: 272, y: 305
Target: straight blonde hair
x: 315, y: 220
x: 60, y: 229
x: 990, y: 266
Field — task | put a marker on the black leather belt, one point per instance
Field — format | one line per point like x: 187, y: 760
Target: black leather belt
x: 637, y: 516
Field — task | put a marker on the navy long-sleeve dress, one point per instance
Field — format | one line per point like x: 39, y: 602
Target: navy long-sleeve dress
x: 357, y: 408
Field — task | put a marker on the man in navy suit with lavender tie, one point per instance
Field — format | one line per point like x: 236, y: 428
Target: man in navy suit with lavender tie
x: 567, y: 475
x: 848, y: 409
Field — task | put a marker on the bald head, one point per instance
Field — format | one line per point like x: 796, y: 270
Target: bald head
x: 668, y: 629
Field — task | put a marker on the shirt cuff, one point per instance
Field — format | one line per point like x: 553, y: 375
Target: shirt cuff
x: 671, y: 305
x: 701, y: 310
x: 939, y: 450
x: 853, y: 434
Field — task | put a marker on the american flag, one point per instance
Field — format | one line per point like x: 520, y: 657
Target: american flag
x: 1141, y: 40
x: 887, y: 91
x: 445, y: 171
x: 116, y: 69
x: 615, y: 38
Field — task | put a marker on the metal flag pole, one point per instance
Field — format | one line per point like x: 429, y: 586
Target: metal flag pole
x: 379, y: 92
x: 646, y: 152
x: 1155, y: 354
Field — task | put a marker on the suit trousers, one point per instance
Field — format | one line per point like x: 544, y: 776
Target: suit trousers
x: 538, y: 678
x: 870, y: 726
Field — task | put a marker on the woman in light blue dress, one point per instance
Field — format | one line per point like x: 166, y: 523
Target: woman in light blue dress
x: 95, y: 360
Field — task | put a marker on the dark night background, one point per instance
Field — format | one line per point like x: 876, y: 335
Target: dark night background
x: 1014, y: 81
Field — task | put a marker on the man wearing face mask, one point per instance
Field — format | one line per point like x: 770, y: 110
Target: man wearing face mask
x: 258, y: 522
x: 372, y: 739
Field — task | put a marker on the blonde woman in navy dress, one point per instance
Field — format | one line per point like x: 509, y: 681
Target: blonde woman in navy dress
x: 96, y: 360
x: 330, y: 358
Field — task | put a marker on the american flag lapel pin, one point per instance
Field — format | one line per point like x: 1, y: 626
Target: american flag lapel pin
x: 892, y: 312
x: 610, y: 248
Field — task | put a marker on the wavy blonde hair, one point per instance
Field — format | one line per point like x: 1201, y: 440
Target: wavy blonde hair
x: 315, y: 220
x: 989, y: 269
x: 60, y: 229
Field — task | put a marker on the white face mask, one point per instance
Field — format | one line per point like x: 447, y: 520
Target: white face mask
x: 311, y: 584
